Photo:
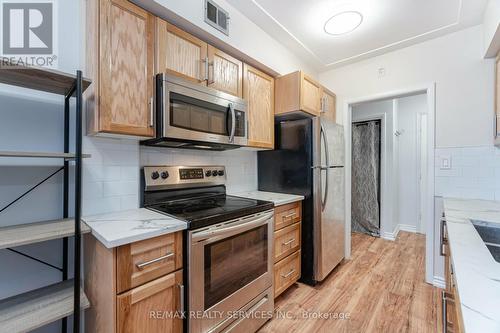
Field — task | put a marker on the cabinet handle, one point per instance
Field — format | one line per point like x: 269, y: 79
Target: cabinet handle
x: 181, y: 297
x: 211, y: 78
x: 443, y: 239
x: 288, y: 242
x: 205, y: 65
x: 292, y: 215
x: 288, y: 274
x: 151, y: 112
x: 147, y: 263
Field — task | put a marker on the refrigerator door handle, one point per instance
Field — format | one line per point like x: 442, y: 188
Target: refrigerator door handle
x: 325, y: 142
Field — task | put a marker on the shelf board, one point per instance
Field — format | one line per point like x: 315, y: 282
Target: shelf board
x: 30, y: 233
x: 34, y: 309
x: 39, y: 78
x: 40, y: 154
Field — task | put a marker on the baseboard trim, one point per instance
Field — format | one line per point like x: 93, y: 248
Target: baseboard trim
x: 400, y: 227
x: 391, y: 235
x: 407, y: 227
x: 439, y: 282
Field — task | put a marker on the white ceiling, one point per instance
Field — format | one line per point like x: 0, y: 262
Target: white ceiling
x: 387, y: 25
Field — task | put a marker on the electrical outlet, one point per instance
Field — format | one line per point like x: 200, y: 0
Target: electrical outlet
x: 445, y: 162
x: 381, y: 72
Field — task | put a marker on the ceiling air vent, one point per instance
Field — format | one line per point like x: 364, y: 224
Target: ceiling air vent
x: 216, y: 17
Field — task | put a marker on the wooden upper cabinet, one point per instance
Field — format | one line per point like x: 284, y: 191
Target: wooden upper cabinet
x: 328, y: 105
x: 258, y: 91
x: 225, y: 72
x: 135, y: 307
x: 180, y: 53
x: 120, y: 60
x: 298, y: 92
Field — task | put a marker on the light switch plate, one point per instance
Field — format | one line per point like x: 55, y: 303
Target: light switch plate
x: 445, y: 162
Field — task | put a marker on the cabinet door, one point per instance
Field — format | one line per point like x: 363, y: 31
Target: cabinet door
x: 328, y: 110
x: 126, y: 75
x: 310, y: 95
x: 151, y: 307
x: 225, y: 72
x: 179, y: 53
x: 258, y: 91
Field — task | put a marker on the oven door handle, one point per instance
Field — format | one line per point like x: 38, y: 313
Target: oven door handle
x: 215, y: 234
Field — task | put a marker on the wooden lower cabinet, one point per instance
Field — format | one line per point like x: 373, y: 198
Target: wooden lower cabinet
x: 147, y: 308
x: 287, y: 246
x: 133, y: 290
x: 450, y: 297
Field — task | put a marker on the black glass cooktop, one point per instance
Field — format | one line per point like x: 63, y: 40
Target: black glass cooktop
x: 206, y: 210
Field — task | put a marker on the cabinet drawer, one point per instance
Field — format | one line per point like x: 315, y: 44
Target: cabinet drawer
x: 144, y: 261
x: 287, y: 214
x: 286, y: 241
x: 286, y: 272
x: 143, y: 309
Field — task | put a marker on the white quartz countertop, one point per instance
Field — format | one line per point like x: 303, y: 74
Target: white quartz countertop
x: 477, y: 274
x: 128, y: 226
x: 277, y: 198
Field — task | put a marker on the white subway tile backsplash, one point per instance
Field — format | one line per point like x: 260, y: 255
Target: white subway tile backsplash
x: 474, y: 173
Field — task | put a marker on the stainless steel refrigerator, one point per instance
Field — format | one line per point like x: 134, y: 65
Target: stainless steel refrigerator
x: 309, y: 160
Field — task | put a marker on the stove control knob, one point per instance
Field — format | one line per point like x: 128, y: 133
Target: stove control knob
x: 164, y: 175
x: 208, y: 173
x: 214, y: 173
x: 155, y: 175
x: 221, y: 173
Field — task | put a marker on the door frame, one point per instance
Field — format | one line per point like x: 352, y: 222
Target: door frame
x: 428, y: 205
x: 383, y: 164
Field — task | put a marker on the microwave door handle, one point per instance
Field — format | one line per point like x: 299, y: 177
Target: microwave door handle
x: 233, y: 123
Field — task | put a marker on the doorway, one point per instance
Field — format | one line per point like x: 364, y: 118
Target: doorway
x: 366, y: 175
x: 389, y: 224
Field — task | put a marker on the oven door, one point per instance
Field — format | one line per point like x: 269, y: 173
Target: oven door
x: 195, y: 113
x: 230, y: 265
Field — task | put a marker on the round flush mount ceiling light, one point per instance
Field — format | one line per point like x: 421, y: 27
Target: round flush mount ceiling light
x: 343, y: 23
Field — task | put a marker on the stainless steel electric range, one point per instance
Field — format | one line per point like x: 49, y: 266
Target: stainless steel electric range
x: 228, y: 247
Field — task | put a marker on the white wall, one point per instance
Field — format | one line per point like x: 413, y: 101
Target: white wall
x: 491, y: 28
x: 408, y: 182
x: 464, y: 83
x: 383, y: 110
x: 244, y: 35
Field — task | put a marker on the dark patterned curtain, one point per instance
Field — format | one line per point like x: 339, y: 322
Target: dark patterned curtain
x: 365, y: 186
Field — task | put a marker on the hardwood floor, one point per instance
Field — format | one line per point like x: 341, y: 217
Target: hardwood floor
x: 381, y: 289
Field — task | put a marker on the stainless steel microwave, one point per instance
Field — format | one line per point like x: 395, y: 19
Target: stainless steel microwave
x: 189, y: 115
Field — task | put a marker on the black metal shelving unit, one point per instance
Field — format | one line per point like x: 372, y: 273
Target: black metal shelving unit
x: 34, y: 309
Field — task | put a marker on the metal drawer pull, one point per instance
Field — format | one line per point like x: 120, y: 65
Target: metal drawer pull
x: 288, y: 274
x: 181, y: 297
x: 147, y: 263
x: 288, y: 242
x: 292, y: 215
x: 443, y: 239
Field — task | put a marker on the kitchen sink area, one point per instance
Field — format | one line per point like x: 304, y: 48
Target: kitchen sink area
x: 490, y: 234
